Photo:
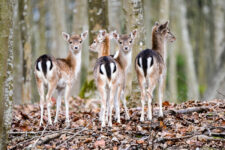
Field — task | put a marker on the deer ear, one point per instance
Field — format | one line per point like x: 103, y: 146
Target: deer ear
x: 166, y: 24
x: 66, y: 36
x: 84, y: 35
x: 133, y: 34
x: 115, y: 35
x: 103, y: 32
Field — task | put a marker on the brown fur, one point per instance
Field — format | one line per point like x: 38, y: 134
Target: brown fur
x: 61, y: 75
x: 157, y: 70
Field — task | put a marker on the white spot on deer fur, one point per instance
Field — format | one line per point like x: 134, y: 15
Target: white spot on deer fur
x: 99, y: 12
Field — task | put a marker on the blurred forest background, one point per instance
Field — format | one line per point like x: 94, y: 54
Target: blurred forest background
x: 196, y: 60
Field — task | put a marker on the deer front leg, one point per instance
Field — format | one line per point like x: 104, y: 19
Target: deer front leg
x: 40, y: 86
x: 51, y: 88
x: 58, y: 105
x: 117, y: 103
x: 66, y: 98
x: 125, y: 105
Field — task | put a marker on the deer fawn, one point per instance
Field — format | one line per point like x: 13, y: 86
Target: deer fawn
x: 58, y: 74
x: 123, y: 59
x: 151, y: 69
x: 106, y: 74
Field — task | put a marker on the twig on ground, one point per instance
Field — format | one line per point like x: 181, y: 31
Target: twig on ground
x: 189, y: 110
x: 75, y: 134
x: 34, y: 145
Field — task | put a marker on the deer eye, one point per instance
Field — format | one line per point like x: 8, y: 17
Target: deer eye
x: 130, y: 41
x: 94, y: 42
x: 70, y: 42
x: 120, y: 42
x: 80, y: 41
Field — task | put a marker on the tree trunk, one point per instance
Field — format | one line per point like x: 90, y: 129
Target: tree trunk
x: 24, y: 18
x: 97, y: 19
x: 134, y: 19
x: 6, y: 69
x: 80, y: 22
x: 193, y: 89
x: 58, y: 25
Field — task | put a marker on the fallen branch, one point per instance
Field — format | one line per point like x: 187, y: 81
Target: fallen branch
x: 75, y: 134
x: 189, y: 110
x: 159, y: 140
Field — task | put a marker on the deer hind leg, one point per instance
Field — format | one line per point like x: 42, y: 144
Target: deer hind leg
x: 124, y: 104
x: 117, y: 103
x: 107, y: 105
x: 111, y: 100
x: 142, y: 83
x: 41, y: 91
x: 160, y: 94
x: 51, y: 88
x: 66, y: 99
x: 103, y: 94
x: 58, y: 104
x: 151, y: 87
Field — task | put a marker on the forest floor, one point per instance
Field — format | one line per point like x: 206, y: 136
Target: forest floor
x: 189, y: 125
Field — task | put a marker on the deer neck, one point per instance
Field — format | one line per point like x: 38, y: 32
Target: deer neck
x: 74, y: 61
x: 159, y: 45
x: 124, y: 59
x: 104, y: 48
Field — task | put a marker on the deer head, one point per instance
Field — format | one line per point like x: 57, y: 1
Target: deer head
x: 98, y: 41
x: 75, y: 41
x: 125, y: 41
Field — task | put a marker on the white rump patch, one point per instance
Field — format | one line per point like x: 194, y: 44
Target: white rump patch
x: 48, y: 64
x: 149, y: 68
x: 112, y: 66
x: 39, y: 66
x: 149, y: 61
x: 140, y: 62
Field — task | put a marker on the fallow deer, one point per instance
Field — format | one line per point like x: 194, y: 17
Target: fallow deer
x: 123, y: 59
x: 106, y: 76
x: 58, y: 74
x: 151, y: 69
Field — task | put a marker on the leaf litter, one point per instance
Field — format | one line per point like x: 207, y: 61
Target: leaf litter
x: 189, y: 125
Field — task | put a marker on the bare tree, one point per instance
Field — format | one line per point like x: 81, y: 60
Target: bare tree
x: 80, y: 24
x: 134, y: 19
x: 24, y: 18
x: 192, y: 82
x: 6, y: 69
x: 97, y: 19
x: 58, y: 25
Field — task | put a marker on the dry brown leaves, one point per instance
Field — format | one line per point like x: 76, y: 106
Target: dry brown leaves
x: 173, y: 131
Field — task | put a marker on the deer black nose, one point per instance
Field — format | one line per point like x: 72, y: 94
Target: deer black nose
x: 126, y: 48
x: 76, y: 47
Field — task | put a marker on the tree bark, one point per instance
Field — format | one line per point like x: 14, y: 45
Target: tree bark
x: 80, y: 22
x: 58, y: 25
x: 134, y: 19
x: 6, y: 69
x: 24, y: 18
x: 97, y: 19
